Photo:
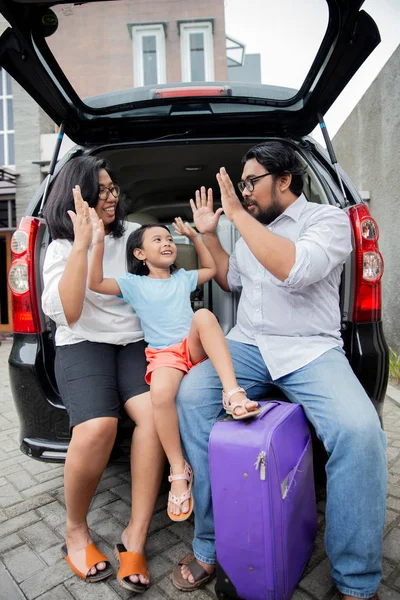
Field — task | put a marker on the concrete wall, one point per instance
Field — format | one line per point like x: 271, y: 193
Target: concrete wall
x: 368, y: 148
x: 249, y: 72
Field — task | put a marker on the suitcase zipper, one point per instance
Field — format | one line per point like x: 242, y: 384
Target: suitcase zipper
x: 260, y: 464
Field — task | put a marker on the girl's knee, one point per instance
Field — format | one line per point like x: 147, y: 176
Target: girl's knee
x: 204, y: 317
x: 161, y: 398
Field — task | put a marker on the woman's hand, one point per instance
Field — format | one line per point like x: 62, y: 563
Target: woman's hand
x: 205, y: 219
x: 81, y: 220
x: 229, y: 200
x: 98, y: 227
x: 185, y: 229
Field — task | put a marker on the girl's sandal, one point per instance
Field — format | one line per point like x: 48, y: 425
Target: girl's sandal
x: 231, y: 407
x: 188, y: 475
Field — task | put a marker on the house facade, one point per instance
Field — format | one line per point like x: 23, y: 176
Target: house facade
x: 102, y: 48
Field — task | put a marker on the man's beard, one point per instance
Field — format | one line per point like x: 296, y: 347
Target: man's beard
x: 267, y: 215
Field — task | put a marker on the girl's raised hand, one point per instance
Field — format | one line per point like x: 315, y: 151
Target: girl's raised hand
x: 81, y: 220
x: 185, y: 229
x: 98, y: 227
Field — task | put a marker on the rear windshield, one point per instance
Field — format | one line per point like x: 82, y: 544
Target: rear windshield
x: 261, y: 45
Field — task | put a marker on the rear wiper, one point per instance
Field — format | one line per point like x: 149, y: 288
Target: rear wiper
x: 171, y: 135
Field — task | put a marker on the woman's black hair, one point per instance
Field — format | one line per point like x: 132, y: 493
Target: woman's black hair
x: 82, y: 171
x: 278, y: 158
x: 135, y: 240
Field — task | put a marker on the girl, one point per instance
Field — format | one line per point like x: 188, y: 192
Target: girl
x: 177, y: 339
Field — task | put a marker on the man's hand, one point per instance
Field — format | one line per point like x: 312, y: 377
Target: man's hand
x: 204, y: 217
x: 81, y: 220
x: 185, y: 229
x: 229, y: 200
x: 98, y: 227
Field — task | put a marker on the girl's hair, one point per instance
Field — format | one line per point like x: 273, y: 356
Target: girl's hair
x: 135, y: 240
x: 82, y: 171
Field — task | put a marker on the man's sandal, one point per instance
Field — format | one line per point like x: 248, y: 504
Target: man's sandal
x: 231, y: 407
x: 199, y: 574
x: 131, y: 563
x: 87, y: 558
x: 188, y: 476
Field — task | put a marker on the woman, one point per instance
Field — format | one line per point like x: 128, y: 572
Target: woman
x: 99, y: 366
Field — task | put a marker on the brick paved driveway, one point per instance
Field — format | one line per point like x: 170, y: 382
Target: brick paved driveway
x: 32, y: 515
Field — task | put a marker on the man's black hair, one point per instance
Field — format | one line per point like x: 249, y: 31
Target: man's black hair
x: 135, y: 240
x: 278, y: 158
x: 82, y: 171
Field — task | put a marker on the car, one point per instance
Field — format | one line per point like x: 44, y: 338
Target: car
x: 165, y: 140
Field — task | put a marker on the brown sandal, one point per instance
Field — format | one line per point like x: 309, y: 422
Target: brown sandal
x: 92, y: 556
x: 199, y: 574
x: 131, y: 563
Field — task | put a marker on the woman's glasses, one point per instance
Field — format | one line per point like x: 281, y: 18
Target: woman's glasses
x: 115, y: 190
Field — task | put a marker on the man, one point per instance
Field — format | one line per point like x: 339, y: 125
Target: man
x: 287, y: 265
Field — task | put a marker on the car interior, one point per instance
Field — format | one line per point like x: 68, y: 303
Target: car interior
x: 158, y: 181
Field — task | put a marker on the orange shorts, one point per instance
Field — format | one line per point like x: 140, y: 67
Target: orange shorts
x: 176, y: 357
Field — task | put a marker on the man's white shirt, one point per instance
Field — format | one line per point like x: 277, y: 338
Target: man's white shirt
x: 294, y: 321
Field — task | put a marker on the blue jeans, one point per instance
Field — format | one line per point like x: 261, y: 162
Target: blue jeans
x: 344, y: 419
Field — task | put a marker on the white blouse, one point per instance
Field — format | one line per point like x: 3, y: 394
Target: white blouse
x: 107, y: 319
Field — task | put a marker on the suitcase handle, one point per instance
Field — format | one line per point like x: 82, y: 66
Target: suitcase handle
x: 270, y: 406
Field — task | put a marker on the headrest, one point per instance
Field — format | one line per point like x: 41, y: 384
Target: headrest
x: 187, y: 257
x: 141, y: 218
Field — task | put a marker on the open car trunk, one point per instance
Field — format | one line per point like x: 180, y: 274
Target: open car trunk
x: 158, y: 180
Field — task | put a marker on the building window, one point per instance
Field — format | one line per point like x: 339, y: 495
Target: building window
x: 197, y: 51
x: 148, y: 54
x: 6, y: 120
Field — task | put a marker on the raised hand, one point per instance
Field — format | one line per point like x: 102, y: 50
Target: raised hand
x: 98, y: 227
x: 229, y: 199
x: 205, y: 219
x: 81, y: 220
x: 185, y: 229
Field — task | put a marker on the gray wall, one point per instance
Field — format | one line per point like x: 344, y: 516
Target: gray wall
x: 368, y: 148
x: 249, y: 72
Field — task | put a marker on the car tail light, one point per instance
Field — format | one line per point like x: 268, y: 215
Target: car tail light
x: 368, y: 266
x: 189, y: 91
x: 21, y: 277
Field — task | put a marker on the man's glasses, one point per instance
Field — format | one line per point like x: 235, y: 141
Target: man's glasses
x: 105, y: 192
x: 248, y: 183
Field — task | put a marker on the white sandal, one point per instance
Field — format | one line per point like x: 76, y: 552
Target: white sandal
x: 231, y: 407
x: 188, y: 476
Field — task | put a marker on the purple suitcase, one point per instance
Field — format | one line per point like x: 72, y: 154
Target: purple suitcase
x: 264, y: 502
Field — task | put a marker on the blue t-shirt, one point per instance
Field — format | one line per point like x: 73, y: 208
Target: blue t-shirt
x: 162, y: 305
